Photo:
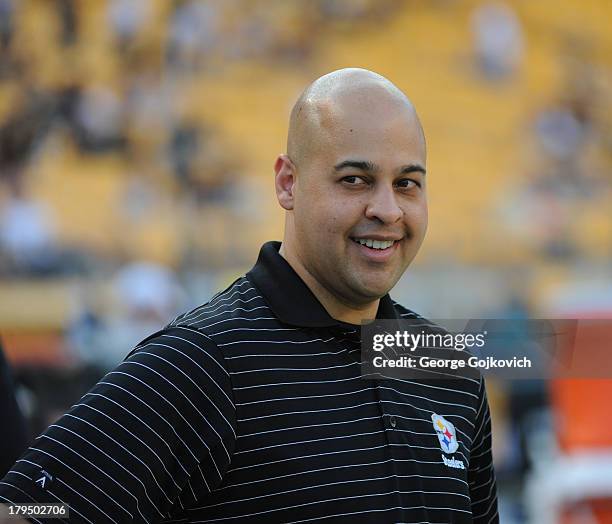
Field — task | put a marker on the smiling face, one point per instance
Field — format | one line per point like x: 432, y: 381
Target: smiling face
x: 357, y: 204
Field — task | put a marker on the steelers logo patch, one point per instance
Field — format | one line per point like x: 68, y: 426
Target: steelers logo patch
x: 446, y: 432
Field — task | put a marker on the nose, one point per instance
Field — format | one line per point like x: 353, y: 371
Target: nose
x: 383, y: 206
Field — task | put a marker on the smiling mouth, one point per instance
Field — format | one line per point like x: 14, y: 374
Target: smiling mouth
x: 380, y: 245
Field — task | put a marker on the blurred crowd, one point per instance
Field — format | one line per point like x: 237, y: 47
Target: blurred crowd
x: 135, y: 109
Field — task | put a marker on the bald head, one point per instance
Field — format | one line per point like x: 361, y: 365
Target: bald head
x: 355, y: 171
x: 338, y: 100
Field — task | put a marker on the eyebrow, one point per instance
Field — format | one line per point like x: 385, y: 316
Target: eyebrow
x: 369, y: 167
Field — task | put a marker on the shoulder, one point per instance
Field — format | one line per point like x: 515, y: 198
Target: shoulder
x: 233, y: 315
x: 240, y: 302
x: 196, y: 328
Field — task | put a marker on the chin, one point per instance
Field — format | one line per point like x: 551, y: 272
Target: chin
x: 374, y: 291
x: 377, y: 285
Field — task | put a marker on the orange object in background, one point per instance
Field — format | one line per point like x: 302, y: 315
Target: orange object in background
x: 583, y: 411
x: 583, y: 414
x: 597, y: 511
x: 581, y: 401
x: 44, y: 348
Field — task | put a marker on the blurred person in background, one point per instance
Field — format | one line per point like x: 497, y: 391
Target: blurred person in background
x: 194, y: 32
x: 14, y: 431
x: 7, y: 9
x: 28, y: 238
x: 27, y: 235
x: 144, y: 295
x: 69, y: 21
x: 100, y: 120
x: 127, y: 18
x: 498, y: 40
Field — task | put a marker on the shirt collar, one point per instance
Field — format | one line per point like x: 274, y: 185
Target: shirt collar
x: 290, y: 298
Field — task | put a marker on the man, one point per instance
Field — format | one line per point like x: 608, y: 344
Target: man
x: 251, y: 408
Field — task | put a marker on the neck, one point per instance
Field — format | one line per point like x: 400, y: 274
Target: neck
x: 337, y: 308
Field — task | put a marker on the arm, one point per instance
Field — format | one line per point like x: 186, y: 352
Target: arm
x: 481, y: 475
x: 129, y: 447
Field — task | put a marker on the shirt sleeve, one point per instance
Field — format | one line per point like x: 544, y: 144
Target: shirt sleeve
x: 154, y: 435
x: 481, y: 474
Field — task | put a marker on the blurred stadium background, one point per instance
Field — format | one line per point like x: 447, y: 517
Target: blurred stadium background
x: 136, y: 147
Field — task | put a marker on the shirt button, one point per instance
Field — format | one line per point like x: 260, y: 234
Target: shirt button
x: 393, y: 421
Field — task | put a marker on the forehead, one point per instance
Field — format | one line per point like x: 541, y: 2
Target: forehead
x: 392, y: 131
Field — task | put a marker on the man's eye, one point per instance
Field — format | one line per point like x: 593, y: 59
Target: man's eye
x: 354, y: 180
x: 408, y: 183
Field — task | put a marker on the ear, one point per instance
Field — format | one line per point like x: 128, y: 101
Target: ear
x: 284, y: 181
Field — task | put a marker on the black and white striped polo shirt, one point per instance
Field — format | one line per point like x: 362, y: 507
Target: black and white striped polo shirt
x: 251, y: 408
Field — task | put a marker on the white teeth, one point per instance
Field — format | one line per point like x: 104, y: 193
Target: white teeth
x: 375, y: 244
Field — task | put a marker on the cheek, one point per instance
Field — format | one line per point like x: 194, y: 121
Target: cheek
x: 334, y: 216
x: 325, y: 211
x: 417, y: 217
x: 420, y: 211
x: 318, y: 222
x: 328, y: 224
